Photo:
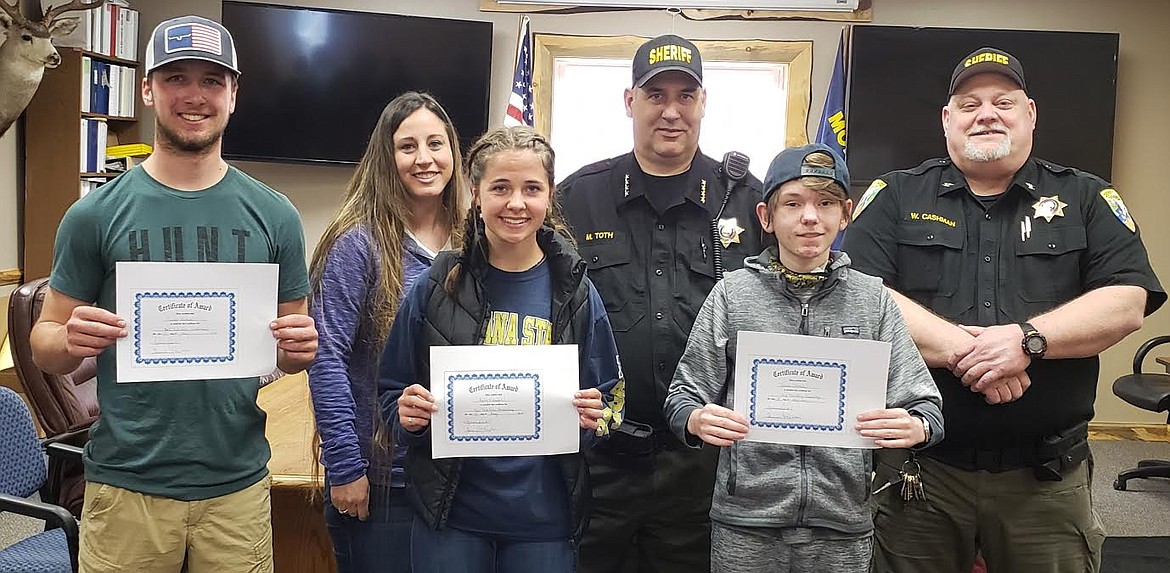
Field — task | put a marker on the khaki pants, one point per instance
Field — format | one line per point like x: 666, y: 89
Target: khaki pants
x: 122, y: 530
x: 1020, y: 524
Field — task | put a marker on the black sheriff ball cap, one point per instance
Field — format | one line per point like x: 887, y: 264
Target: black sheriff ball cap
x: 667, y: 53
x: 988, y: 60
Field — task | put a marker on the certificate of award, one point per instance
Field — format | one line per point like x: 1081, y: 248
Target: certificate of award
x: 193, y: 321
x: 504, y: 400
x: 808, y: 390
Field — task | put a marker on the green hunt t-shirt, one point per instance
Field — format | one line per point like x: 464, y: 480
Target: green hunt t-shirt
x: 190, y: 439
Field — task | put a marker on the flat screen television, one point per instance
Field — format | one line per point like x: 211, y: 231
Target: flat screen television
x: 314, y: 81
x: 898, y: 82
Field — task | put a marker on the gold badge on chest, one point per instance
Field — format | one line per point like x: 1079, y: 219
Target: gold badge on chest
x: 729, y: 231
x: 1048, y: 207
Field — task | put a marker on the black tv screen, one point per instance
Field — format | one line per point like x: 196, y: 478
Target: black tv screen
x: 314, y: 81
x: 898, y: 83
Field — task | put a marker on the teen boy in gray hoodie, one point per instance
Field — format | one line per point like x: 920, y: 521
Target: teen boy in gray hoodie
x: 797, y: 508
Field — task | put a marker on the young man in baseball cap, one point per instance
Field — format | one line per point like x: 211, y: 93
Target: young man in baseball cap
x: 780, y: 507
x: 176, y: 471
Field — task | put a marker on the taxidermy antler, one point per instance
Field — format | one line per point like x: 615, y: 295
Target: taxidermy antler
x: 28, y: 50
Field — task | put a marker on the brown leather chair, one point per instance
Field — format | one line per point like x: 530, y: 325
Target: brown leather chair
x: 65, y: 405
x: 62, y: 403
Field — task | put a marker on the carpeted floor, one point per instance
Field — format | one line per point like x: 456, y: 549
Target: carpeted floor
x: 1136, y: 555
x: 1143, y: 510
x: 13, y: 527
x: 1137, y: 521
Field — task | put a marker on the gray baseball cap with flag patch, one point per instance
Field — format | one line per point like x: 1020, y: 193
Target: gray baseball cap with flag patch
x: 191, y: 38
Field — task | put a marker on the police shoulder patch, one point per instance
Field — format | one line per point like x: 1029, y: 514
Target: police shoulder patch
x: 868, y: 197
x: 1113, y: 198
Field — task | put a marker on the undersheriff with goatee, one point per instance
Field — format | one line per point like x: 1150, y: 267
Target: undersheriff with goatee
x: 653, y: 226
x: 1014, y: 273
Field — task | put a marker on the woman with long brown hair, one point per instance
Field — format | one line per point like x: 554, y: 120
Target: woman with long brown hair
x: 405, y: 203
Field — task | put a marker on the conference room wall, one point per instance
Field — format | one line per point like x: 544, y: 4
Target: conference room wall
x: 1140, y: 145
x: 9, y: 230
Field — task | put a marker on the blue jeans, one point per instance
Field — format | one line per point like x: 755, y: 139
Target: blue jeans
x: 382, y: 542
x: 453, y: 551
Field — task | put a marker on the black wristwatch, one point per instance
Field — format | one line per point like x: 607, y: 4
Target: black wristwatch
x: 1034, y: 343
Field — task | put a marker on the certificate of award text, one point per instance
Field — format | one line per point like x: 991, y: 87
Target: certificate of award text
x: 504, y: 400
x: 192, y: 321
x: 808, y: 390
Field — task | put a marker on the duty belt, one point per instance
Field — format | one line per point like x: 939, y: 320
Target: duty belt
x: 992, y: 460
x: 636, y: 439
x: 1051, y: 456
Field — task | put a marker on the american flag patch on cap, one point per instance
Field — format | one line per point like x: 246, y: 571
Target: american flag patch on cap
x: 193, y: 36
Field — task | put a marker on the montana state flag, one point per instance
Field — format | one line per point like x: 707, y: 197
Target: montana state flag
x: 831, y: 130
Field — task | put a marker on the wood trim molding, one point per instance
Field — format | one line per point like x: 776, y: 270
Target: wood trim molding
x: 1129, y: 431
x: 10, y: 276
x: 863, y: 13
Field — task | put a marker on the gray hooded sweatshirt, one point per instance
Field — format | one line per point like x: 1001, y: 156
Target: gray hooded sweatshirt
x: 772, y: 485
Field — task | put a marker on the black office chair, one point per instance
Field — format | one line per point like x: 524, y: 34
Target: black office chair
x: 1148, y: 391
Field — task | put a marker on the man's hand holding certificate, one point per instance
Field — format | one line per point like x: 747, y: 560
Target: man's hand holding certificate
x: 90, y: 330
x: 296, y: 341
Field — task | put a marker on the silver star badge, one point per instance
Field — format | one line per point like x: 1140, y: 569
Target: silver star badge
x: 729, y: 231
x: 1048, y: 207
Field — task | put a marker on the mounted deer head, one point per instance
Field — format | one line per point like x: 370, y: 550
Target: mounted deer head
x: 28, y: 50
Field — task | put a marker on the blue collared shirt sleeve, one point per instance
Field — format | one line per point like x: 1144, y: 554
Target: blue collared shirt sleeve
x: 601, y: 368
x: 401, y: 365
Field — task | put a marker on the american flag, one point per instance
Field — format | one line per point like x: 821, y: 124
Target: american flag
x: 520, y: 103
x: 193, y: 36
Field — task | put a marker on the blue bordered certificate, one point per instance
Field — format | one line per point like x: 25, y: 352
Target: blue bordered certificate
x: 808, y: 390
x: 504, y: 400
x: 189, y: 321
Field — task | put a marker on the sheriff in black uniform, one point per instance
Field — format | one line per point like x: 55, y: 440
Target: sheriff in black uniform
x: 1044, y: 268
x: 652, y: 225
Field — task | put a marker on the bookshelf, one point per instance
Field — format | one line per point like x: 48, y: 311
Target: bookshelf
x: 53, y: 137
